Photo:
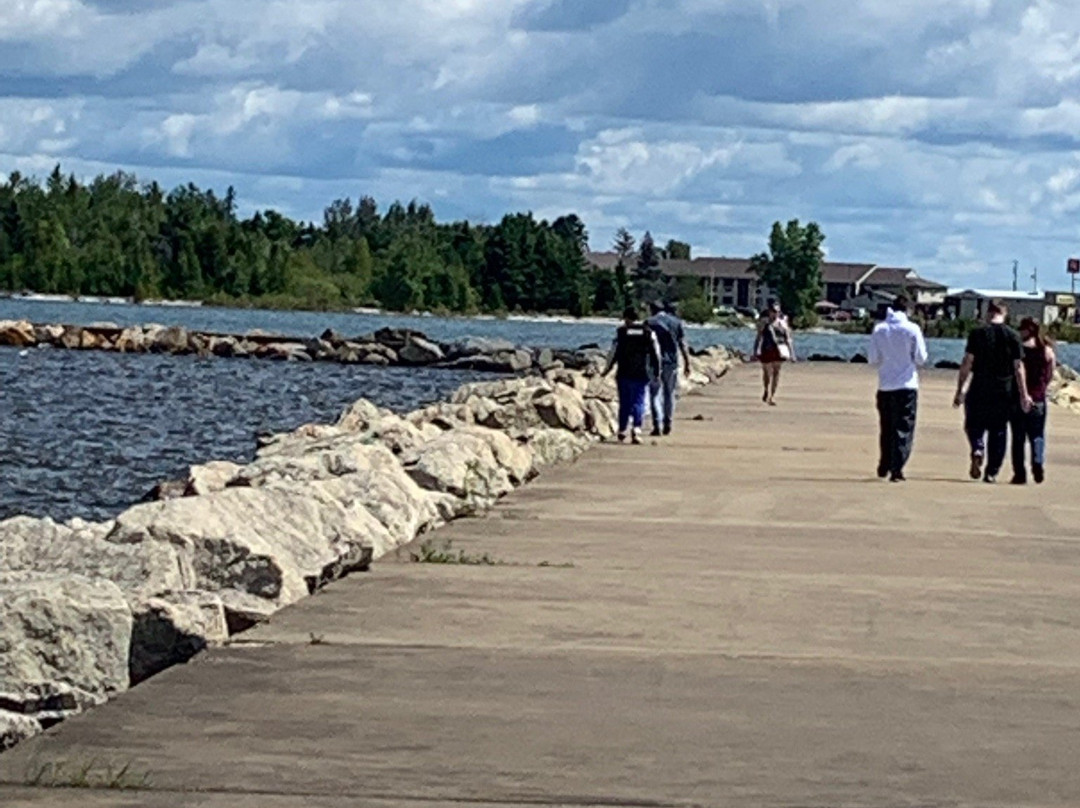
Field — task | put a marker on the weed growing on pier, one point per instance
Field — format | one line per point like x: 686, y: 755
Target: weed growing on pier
x: 443, y: 553
x: 91, y: 774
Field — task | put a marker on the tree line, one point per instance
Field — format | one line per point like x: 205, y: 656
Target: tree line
x: 115, y: 237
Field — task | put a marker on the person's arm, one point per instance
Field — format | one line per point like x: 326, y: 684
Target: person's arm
x: 611, y: 357
x: 790, y: 341
x: 757, y: 342
x: 921, y: 356
x: 962, y: 378
x: 873, y: 353
x: 1021, y: 381
x: 658, y: 357
x: 1051, y: 366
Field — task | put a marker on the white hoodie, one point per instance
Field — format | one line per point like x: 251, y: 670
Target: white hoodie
x: 897, y: 350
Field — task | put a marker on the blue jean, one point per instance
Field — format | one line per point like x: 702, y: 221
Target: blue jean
x: 632, y: 402
x: 662, y: 395
x: 1029, y: 427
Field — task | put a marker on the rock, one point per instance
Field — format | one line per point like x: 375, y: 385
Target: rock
x: 172, y: 340
x: 818, y: 357
x: 227, y: 347
x: 479, y: 346
x: 93, y: 341
x: 71, y: 338
x: 172, y: 628
x: 167, y: 489
x: 601, y: 418
x: 131, y: 340
x: 420, y: 351
x: 859, y: 359
x: 320, y: 350
x: 283, y: 352
x: 464, y: 465
x: 394, y: 338
x: 43, y: 547
x: 260, y: 542
x: 66, y: 641
x: 210, y: 477
x: 17, y: 333
x: 15, y: 728
x: 555, y: 446
x: 49, y: 334
x: 544, y: 359
x: 331, y: 336
x: 562, y: 408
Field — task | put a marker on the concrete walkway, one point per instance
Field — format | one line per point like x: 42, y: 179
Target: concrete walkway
x: 741, y: 615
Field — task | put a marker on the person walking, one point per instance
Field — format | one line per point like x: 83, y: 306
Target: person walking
x: 670, y: 335
x: 1030, y: 427
x: 993, y: 361
x: 637, y: 354
x: 773, y: 346
x: 897, y: 350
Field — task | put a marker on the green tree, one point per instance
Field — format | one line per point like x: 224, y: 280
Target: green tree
x: 792, y: 268
x: 677, y: 250
x: 648, y: 281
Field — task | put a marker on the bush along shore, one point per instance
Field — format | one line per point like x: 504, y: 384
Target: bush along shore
x: 89, y: 609
x: 387, y: 347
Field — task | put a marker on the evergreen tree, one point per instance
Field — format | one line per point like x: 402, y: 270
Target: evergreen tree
x: 648, y: 281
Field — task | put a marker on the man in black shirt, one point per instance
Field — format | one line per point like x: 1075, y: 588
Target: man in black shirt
x: 993, y: 361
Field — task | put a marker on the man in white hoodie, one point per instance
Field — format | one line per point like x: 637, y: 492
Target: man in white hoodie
x: 897, y: 350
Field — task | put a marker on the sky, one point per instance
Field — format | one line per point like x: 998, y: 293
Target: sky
x: 936, y: 134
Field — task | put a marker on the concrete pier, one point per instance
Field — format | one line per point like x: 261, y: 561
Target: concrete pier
x: 741, y: 614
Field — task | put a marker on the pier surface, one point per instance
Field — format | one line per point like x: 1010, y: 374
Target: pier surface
x: 739, y: 615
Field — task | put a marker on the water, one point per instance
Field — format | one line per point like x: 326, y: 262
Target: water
x: 89, y: 433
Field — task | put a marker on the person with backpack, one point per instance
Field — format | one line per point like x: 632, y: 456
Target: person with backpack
x: 636, y: 353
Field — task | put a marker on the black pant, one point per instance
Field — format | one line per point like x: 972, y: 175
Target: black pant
x: 986, y: 422
x: 897, y: 410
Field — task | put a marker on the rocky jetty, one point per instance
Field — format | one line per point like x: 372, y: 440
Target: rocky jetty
x: 387, y: 347
x: 89, y: 609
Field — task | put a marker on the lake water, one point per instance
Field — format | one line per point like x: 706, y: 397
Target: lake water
x: 88, y: 433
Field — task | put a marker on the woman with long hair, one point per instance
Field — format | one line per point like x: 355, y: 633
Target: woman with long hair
x: 1030, y: 427
x: 772, y: 348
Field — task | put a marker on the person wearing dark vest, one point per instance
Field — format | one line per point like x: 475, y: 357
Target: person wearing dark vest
x: 668, y: 329
x: 636, y: 353
x: 993, y: 361
x: 1030, y: 426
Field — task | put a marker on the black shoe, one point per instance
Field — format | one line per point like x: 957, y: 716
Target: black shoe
x: 976, y: 466
x: 882, y: 472
x: 990, y: 478
x: 1037, y: 473
x: 1018, y: 479
x: 667, y: 429
x: 897, y: 477
x: 655, y: 432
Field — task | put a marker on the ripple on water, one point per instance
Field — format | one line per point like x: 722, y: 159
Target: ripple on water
x: 87, y: 434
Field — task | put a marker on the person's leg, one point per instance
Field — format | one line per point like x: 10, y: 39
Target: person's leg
x: 656, y: 404
x: 1036, y: 430
x: 775, y: 381
x: 669, y: 381
x: 625, y: 404
x: 766, y: 379
x: 1019, y: 434
x: 975, y: 429
x: 904, y: 409
x: 885, y: 433
x: 997, y: 438
x: 640, y: 393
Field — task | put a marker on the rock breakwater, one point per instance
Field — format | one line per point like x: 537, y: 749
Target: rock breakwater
x: 88, y: 609
x: 386, y: 347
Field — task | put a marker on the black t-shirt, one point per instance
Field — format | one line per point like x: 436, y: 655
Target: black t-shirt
x: 996, y: 349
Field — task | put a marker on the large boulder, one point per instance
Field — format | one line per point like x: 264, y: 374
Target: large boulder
x: 478, y: 346
x: 210, y: 477
x: 172, y: 628
x: 420, y: 351
x: 283, y: 352
x: 267, y: 544
x: 65, y: 642
x: 562, y: 407
x: 131, y: 340
x: 17, y: 333
x: 49, y: 334
x: 172, y: 340
x: 552, y: 447
x: 44, y: 547
x: 464, y: 464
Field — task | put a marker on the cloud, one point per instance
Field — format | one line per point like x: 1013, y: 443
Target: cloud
x: 936, y: 135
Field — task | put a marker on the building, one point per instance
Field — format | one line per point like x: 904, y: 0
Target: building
x: 731, y: 282
x: 1046, y: 307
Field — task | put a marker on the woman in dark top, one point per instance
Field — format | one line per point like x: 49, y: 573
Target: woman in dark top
x: 772, y: 348
x: 1030, y: 426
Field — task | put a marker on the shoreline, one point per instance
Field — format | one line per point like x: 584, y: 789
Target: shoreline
x: 225, y: 548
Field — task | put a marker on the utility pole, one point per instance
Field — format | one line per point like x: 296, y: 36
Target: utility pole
x: 1016, y: 273
x: 1035, y: 278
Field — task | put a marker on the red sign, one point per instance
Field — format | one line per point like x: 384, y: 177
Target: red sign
x: 1074, y: 266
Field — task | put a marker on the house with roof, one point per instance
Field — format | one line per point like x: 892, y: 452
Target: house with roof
x: 733, y: 283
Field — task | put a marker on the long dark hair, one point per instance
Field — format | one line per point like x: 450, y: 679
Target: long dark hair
x: 1035, y: 328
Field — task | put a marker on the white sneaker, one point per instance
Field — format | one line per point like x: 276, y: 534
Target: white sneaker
x: 635, y: 435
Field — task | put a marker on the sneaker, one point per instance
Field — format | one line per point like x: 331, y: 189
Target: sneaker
x: 1018, y: 479
x: 655, y: 432
x: 622, y: 437
x: 635, y: 435
x: 990, y: 478
x: 897, y: 477
x: 1037, y: 473
x: 882, y: 472
x: 976, y: 465
x: 667, y: 429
